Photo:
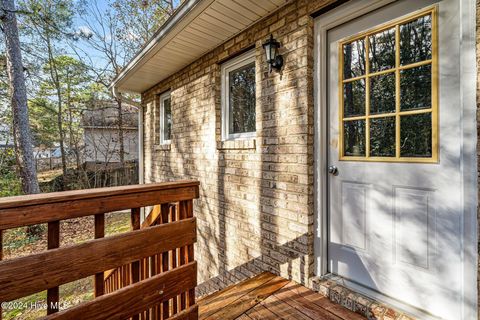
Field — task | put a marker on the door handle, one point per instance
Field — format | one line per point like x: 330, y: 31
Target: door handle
x: 333, y: 170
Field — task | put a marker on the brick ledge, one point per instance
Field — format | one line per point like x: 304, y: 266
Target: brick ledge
x: 356, y: 302
x: 248, y: 144
x: 163, y: 147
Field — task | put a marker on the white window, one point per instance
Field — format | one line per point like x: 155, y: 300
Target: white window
x: 165, y: 118
x: 238, y: 97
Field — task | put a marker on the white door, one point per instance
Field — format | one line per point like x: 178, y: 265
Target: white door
x: 395, y: 186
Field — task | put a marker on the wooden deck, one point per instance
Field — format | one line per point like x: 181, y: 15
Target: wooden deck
x: 267, y: 296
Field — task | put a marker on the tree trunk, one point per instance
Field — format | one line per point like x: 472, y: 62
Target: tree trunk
x: 18, y: 91
x: 72, y: 141
x: 61, y: 133
x: 62, y: 140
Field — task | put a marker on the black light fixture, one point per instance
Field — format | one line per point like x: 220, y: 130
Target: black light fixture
x: 274, y: 59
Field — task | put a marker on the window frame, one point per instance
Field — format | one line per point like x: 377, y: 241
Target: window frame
x: 227, y: 67
x: 433, y: 110
x: 162, y: 98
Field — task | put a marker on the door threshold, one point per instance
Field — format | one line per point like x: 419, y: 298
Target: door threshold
x: 362, y: 300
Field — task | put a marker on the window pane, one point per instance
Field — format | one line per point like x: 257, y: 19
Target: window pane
x: 382, y: 137
x: 382, y: 93
x: 416, y: 40
x: 416, y: 135
x: 382, y: 50
x: 242, y: 99
x: 354, y: 98
x: 354, y: 59
x: 167, y: 119
x: 416, y: 88
x: 354, y: 138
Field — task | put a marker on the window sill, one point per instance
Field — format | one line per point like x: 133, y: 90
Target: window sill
x: 162, y: 147
x: 247, y: 144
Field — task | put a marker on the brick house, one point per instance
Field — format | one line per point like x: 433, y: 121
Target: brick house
x: 349, y: 164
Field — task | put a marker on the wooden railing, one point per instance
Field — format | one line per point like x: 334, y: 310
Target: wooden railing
x: 119, y: 278
x: 151, y: 272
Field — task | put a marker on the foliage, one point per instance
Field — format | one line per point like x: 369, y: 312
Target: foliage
x: 42, y: 111
x: 10, y: 185
x: 7, y: 161
x: 74, y: 83
x: 44, y: 31
x: 48, y: 20
x: 138, y: 21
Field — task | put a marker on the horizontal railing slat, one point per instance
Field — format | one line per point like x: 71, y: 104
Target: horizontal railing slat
x: 135, y: 298
x: 27, y: 275
x: 36, y: 213
x: 52, y: 197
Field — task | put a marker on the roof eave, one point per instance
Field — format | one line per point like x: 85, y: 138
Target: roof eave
x: 183, y: 11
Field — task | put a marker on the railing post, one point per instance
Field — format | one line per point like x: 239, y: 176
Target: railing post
x: 174, y: 263
x: 99, y: 233
x: 165, y: 257
x: 190, y: 252
x: 1, y: 257
x: 182, y: 208
x: 135, y: 269
x: 53, y: 242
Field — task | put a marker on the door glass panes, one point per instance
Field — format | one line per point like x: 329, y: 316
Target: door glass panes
x: 354, y: 97
x: 416, y: 135
x: 416, y: 88
x: 242, y: 99
x: 382, y: 93
x: 382, y: 137
x: 389, y: 101
x: 354, y: 59
x: 354, y: 138
x: 382, y: 50
x: 416, y: 40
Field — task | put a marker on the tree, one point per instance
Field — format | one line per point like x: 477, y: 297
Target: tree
x: 49, y: 23
x: 42, y: 111
x: 139, y: 20
x: 73, y: 81
x: 117, y: 34
x: 18, y: 92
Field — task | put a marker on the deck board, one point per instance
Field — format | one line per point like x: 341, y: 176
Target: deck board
x: 267, y: 296
x: 282, y: 309
x: 216, y: 301
x: 325, y: 303
x: 302, y: 305
x: 259, y: 312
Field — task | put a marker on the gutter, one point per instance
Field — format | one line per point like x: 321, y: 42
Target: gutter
x: 150, y: 47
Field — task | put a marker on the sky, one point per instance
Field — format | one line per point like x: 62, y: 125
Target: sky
x: 80, y: 24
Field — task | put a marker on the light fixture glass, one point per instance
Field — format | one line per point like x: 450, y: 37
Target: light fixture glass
x: 274, y: 59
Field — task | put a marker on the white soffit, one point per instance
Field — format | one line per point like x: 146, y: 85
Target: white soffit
x: 197, y: 27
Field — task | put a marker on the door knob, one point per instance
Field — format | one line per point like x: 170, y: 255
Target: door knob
x: 333, y: 170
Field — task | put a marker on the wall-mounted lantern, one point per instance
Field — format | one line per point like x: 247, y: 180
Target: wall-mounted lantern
x: 274, y: 59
